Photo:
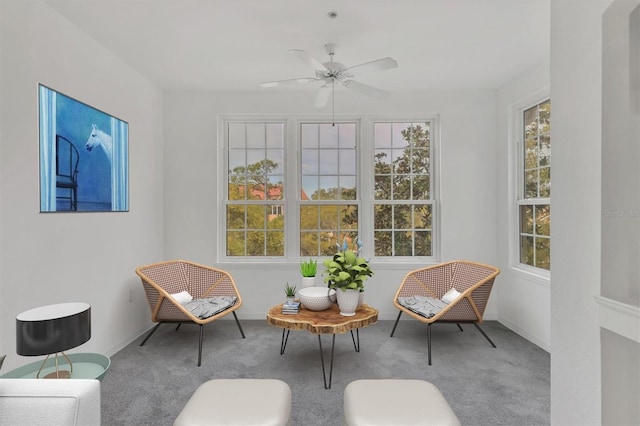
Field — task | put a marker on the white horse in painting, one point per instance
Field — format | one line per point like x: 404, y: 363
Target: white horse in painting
x: 99, y: 138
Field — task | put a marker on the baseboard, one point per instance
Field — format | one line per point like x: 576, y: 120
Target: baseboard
x: 533, y: 339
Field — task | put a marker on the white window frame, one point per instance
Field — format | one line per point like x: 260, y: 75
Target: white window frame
x: 516, y: 147
x: 364, y: 184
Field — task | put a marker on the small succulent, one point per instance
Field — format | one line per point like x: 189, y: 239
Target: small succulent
x: 290, y: 291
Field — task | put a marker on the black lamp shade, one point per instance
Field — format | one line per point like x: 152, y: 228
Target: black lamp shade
x: 53, y: 328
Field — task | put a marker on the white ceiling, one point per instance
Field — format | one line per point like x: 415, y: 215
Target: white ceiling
x: 225, y: 45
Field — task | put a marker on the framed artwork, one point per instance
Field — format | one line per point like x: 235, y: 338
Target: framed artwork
x: 84, y: 156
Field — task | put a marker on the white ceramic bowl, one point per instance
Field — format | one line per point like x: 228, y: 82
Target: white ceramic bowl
x: 316, y: 298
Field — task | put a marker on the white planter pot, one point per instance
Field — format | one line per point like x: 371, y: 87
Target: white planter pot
x: 308, y: 282
x: 347, y: 301
x: 360, y: 298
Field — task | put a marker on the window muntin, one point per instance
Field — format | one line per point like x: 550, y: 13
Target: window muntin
x: 534, y: 207
x: 328, y: 205
x: 254, y: 216
x: 403, y: 209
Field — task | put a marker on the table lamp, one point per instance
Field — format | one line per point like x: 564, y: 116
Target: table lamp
x: 53, y: 329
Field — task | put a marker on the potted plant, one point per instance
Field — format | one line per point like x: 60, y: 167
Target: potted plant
x: 308, y: 269
x: 290, y: 292
x: 346, y: 272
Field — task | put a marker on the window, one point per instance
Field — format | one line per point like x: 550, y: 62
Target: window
x: 255, y: 189
x: 534, y: 207
x: 329, y: 196
x: 403, y: 208
x: 352, y: 178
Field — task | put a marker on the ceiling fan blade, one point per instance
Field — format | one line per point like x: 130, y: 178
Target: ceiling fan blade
x: 290, y: 81
x: 377, y: 65
x: 308, y: 59
x: 366, y: 89
x: 323, y: 96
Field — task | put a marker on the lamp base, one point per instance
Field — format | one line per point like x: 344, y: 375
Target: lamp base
x: 61, y: 374
x: 58, y: 374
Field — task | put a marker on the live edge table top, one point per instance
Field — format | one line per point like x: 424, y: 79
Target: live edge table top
x: 323, y: 322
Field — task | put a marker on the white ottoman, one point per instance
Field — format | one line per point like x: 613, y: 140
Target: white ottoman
x: 396, y: 402
x: 238, y: 402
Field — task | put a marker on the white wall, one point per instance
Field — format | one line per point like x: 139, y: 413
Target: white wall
x: 523, y: 300
x: 576, y: 131
x: 467, y: 179
x: 63, y: 257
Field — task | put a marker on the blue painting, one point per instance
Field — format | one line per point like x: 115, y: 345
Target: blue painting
x: 84, y: 160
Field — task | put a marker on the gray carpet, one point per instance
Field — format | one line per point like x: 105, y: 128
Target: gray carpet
x: 507, y: 385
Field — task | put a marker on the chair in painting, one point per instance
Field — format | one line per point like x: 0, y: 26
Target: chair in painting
x: 454, y: 292
x: 67, y: 159
x: 180, y: 291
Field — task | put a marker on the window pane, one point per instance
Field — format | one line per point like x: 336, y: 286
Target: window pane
x: 255, y: 243
x: 530, y: 154
x: 255, y: 217
x: 382, y: 133
x: 382, y: 216
x: 236, y: 135
x: 544, y: 153
x: 309, y: 244
x: 526, y: 220
x: 402, y: 243
x: 402, y: 217
x: 256, y: 135
x: 383, y: 245
x: 422, y: 216
x: 543, y: 220
x: 235, y: 217
x: 545, y: 182
x: 421, y: 188
x: 328, y: 162
x: 401, y: 187
x: 531, y: 184
x: 275, y: 243
x: 309, y: 188
x: 543, y: 253
x: 423, y: 243
x: 309, y: 217
x: 310, y: 160
x: 235, y: 243
x: 329, y: 135
x: 526, y: 250
x: 309, y: 135
x: 382, y: 186
x: 275, y: 135
x: 328, y: 188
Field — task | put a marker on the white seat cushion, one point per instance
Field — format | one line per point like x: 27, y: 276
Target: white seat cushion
x: 238, y: 402
x: 396, y: 402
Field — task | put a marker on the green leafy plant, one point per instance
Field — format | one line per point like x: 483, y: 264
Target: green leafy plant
x: 290, y: 291
x: 345, y: 270
x: 308, y: 268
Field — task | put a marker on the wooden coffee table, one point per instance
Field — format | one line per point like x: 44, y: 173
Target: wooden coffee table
x: 323, y: 322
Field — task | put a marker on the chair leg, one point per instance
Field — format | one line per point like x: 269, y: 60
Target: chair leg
x: 238, y: 322
x: 153, y: 330
x: 396, y: 324
x: 178, y: 327
x: 200, y: 345
x: 484, y: 334
x: 429, y: 341
x: 458, y: 324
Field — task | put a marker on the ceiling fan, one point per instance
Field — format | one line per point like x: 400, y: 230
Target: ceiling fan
x: 332, y: 73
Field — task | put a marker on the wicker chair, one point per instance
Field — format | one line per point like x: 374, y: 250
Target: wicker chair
x: 473, y: 280
x: 161, y: 280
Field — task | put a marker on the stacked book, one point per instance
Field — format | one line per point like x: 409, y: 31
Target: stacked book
x: 291, y: 308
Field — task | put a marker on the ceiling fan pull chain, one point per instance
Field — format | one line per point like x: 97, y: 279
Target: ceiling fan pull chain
x: 333, y: 103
